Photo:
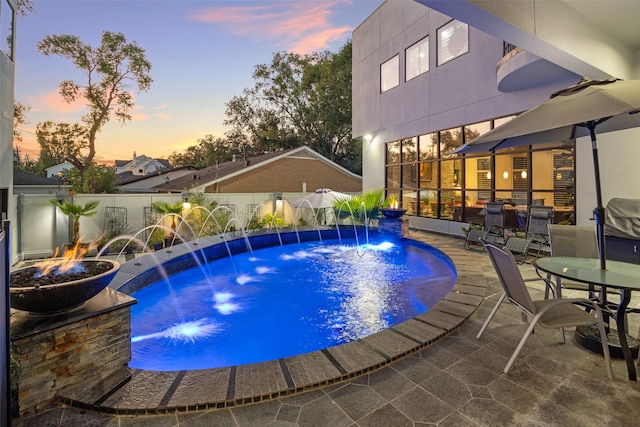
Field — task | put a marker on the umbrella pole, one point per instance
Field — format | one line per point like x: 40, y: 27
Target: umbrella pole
x: 598, y: 211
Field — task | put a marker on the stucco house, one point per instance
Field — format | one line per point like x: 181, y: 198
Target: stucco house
x: 56, y: 170
x: 140, y: 165
x: 297, y: 170
x: 430, y: 75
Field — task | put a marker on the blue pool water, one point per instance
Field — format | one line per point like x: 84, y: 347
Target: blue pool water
x: 283, y: 301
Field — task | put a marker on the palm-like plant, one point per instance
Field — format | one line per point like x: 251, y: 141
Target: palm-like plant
x: 364, y: 206
x: 76, y: 211
x: 165, y: 208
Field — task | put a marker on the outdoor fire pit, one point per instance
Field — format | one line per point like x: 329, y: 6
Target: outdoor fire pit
x: 56, y: 291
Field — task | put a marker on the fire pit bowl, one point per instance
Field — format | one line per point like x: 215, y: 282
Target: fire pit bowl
x: 28, y: 295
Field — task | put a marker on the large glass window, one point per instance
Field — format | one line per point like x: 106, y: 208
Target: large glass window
x: 453, y: 41
x: 390, y: 74
x: 432, y: 183
x: 417, y: 59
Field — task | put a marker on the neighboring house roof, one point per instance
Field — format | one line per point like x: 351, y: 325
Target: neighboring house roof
x: 128, y: 182
x: 29, y: 183
x: 27, y: 178
x: 140, y: 162
x: 211, y: 175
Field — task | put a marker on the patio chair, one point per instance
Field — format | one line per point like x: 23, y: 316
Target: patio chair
x: 581, y: 241
x: 492, y: 229
x: 574, y: 241
x: 548, y: 313
x: 538, y: 227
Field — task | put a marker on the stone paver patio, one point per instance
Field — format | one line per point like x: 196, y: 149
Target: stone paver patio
x: 452, y: 378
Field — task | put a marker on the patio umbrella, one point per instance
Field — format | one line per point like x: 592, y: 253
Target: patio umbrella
x: 570, y: 113
x: 322, y: 198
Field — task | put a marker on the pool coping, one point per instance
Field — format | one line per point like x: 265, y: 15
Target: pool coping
x: 132, y: 391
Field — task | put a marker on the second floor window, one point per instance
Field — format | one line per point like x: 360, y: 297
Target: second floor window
x: 417, y: 59
x: 453, y: 41
x: 390, y: 74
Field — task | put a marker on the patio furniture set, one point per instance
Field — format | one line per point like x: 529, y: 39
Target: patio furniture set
x: 533, y: 237
x: 574, y: 264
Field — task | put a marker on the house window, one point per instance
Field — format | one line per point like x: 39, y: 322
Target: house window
x: 453, y: 41
x: 390, y: 74
x: 6, y: 28
x: 417, y: 59
x: 431, y: 182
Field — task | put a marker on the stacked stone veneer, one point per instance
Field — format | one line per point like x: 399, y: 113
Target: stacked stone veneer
x: 91, y: 348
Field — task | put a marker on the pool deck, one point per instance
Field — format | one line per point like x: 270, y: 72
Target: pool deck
x: 429, y: 370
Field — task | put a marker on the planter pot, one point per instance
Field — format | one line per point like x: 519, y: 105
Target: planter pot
x: 392, y: 213
x: 157, y: 246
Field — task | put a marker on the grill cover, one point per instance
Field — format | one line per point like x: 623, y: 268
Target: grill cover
x: 623, y: 218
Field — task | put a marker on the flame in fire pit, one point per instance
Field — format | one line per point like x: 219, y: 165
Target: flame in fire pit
x: 70, y: 263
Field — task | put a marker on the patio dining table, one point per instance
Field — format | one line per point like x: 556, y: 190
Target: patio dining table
x: 622, y: 276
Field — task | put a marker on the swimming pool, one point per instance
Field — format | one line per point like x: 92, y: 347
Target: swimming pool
x: 284, y: 300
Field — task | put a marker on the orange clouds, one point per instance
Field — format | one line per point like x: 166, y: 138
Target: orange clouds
x: 54, y: 101
x: 301, y: 26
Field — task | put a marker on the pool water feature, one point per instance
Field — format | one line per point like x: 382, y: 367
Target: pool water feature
x: 284, y: 300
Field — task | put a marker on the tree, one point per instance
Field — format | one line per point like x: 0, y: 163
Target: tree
x: 110, y: 70
x: 173, y: 209
x: 97, y: 179
x: 76, y: 211
x: 298, y: 100
x: 62, y: 141
x: 19, y: 119
x: 24, y: 7
x: 208, y: 151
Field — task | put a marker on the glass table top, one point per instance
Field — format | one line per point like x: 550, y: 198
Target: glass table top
x: 587, y: 270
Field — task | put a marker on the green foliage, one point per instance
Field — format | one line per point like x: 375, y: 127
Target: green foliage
x: 76, y: 211
x: 165, y: 208
x: 365, y: 206
x: 97, y: 179
x: 200, y: 221
x: 156, y: 236
x: 273, y: 221
x: 110, y: 70
x: 19, y: 119
x: 208, y: 151
x: 298, y: 100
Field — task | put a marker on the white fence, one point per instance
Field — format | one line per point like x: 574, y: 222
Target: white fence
x: 39, y: 227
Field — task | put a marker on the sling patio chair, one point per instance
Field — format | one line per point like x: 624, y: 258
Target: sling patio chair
x: 573, y: 241
x: 538, y: 227
x: 492, y: 229
x: 548, y: 313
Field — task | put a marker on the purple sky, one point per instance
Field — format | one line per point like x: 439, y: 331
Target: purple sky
x: 202, y: 54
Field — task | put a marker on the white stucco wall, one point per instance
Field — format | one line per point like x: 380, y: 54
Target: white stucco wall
x: 461, y: 92
x: 619, y: 156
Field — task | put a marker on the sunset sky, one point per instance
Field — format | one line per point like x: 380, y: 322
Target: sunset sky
x: 202, y: 54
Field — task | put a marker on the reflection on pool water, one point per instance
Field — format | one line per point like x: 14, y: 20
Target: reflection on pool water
x: 282, y: 301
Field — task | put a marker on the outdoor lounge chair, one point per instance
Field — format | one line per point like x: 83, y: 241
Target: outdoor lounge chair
x: 535, y: 237
x: 548, y: 313
x: 492, y: 229
x: 538, y: 227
